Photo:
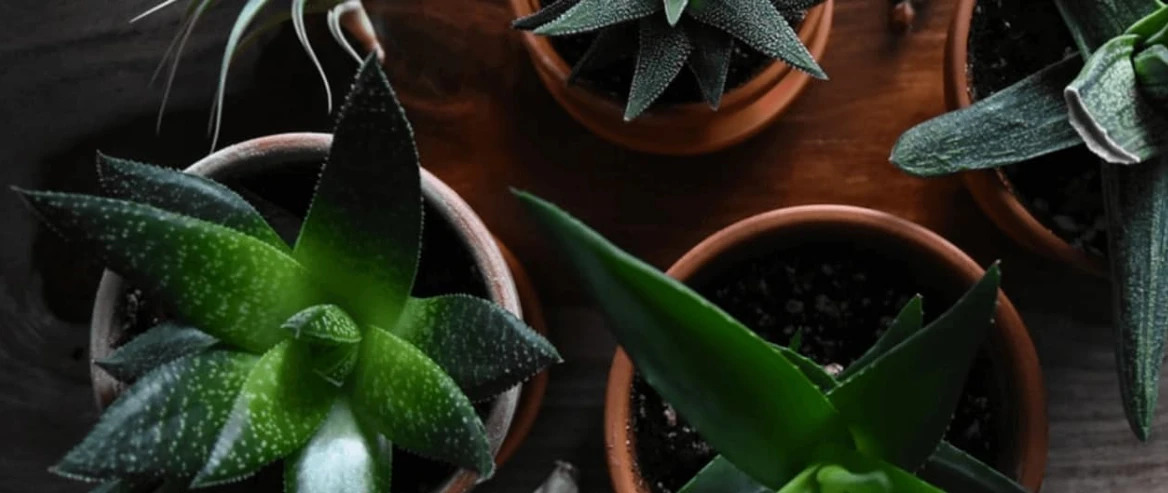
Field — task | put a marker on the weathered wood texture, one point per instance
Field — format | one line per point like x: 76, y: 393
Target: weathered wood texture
x: 73, y: 79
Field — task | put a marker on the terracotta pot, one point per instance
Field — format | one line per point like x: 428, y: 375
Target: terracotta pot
x: 992, y: 191
x: 504, y: 425
x: 680, y: 129
x: 936, y: 262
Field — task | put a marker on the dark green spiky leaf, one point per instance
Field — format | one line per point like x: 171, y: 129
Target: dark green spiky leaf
x: 590, y: 15
x: 672, y: 333
x: 334, y: 363
x: 906, y: 323
x: 710, y: 60
x: 483, y: 347
x: 1023, y: 121
x: 896, y: 411
x: 810, y: 369
x: 230, y: 285
x: 758, y: 24
x: 279, y: 407
x: 1151, y: 67
x: 246, y: 15
x: 323, y: 324
x: 673, y: 10
x: 720, y: 476
x: 404, y: 395
x: 185, y: 401
x: 362, y: 234
x: 163, y: 343
x: 662, y: 51
x: 955, y: 470
x: 1136, y: 202
x: 1093, y: 22
x: 1109, y: 112
x: 611, y: 44
x: 183, y: 193
x: 544, y: 15
x: 340, y: 457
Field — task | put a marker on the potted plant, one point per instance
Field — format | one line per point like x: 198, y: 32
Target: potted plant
x: 727, y: 410
x: 747, y: 59
x: 1109, y: 98
x: 329, y: 353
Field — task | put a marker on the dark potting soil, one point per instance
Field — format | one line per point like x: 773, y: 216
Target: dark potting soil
x: 1009, y: 40
x: 614, y: 79
x: 446, y: 266
x: 842, y: 299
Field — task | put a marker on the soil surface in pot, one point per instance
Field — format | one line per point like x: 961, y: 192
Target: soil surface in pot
x: 446, y: 266
x: 614, y: 77
x: 842, y: 299
x: 1009, y: 40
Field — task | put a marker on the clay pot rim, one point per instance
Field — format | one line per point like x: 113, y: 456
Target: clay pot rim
x: 1028, y: 392
x: 778, y: 85
x: 260, y: 154
x: 991, y: 189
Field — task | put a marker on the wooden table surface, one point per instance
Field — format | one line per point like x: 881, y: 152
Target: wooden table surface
x: 73, y: 78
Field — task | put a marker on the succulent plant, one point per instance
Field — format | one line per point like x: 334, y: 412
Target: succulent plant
x: 1110, y: 97
x: 781, y: 422
x: 314, y: 353
x: 672, y: 34
x: 347, y: 14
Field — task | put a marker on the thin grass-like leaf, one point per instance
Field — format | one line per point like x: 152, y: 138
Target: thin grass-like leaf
x: 249, y: 12
x: 334, y: 25
x: 298, y: 11
x: 200, y: 6
x: 161, y: 5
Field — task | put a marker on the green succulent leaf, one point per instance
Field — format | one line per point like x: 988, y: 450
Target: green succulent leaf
x: 484, y: 348
x: 672, y: 333
x: 335, y: 363
x: 323, y: 324
x: 277, y: 410
x: 362, y: 236
x: 163, y: 343
x: 906, y: 323
x: 1108, y: 110
x: 896, y: 411
x: 1136, y: 202
x: 340, y: 457
x: 721, y: 476
x: 955, y: 470
x: 246, y: 15
x: 1023, y: 121
x: 125, y: 485
x: 1151, y: 67
x: 610, y: 45
x: 810, y: 369
x: 710, y: 60
x: 1150, y: 25
x: 758, y: 24
x: 544, y: 15
x: 231, y: 285
x: 673, y: 10
x: 185, y: 401
x: 183, y: 193
x: 590, y: 15
x: 404, y: 395
x: 1094, y: 22
x: 661, y: 53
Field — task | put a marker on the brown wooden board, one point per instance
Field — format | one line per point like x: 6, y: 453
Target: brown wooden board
x: 73, y: 79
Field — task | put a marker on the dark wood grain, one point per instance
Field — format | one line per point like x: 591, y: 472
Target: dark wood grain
x: 73, y: 79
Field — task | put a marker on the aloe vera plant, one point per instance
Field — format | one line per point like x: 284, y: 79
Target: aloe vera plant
x: 669, y: 35
x: 342, y: 15
x: 315, y: 353
x: 781, y: 422
x: 1110, y: 98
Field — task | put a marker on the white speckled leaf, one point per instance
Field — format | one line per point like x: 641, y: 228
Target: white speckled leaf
x: 166, y: 423
x: 362, y: 236
x: 335, y: 363
x: 590, y: 15
x: 710, y: 60
x: 279, y: 407
x: 182, y: 193
x: 404, y: 395
x: 483, y: 347
x: 758, y: 24
x: 662, y: 51
x: 340, y: 457
x: 228, y: 284
x: 163, y: 343
x: 1023, y: 121
x: 323, y: 324
x: 1108, y: 110
x: 544, y: 15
